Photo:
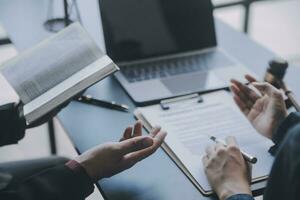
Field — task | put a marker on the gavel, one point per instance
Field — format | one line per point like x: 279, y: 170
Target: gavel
x: 275, y: 74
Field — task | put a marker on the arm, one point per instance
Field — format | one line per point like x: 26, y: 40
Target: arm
x: 224, y: 166
x: 284, y: 180
x: 55, y: 183
x: 241, y: 197
x: 288, y: 124
x: 75, y: 180
x: 13, y: 124
x: 12, y: 127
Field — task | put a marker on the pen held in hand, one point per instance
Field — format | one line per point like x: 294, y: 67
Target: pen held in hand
x: 247, y: 157
x: 88, y: 99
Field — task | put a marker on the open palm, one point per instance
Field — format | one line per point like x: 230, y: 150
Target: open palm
x: 265, y: 111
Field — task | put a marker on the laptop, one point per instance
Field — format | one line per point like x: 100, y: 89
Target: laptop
x: 166, y: 48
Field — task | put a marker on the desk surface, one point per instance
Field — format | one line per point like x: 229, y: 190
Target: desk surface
x: 157, y: 177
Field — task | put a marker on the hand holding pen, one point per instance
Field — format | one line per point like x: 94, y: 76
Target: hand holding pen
x: 226, y: 169
x: 249, y: 158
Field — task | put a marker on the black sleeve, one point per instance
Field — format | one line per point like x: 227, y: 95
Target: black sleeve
x: 284, y: 180
x: 241, y: 197
x: 59, y: 183
x: 290, y: 122
x: 12, y: 127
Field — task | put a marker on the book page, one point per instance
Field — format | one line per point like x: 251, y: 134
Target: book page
x: 88, y: 76
x: 42, y: 67
x: 190, y: 124
x: 7, y: 94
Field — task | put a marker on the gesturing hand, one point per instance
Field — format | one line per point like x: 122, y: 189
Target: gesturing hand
x: 109, y: 159
x: 265, y: 111
x: 227, y: 171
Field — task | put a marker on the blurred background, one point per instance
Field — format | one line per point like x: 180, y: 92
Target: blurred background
x: 273, y: 24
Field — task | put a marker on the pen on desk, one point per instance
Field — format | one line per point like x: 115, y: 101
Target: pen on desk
x: 246, y: 156
x: 88, y: 99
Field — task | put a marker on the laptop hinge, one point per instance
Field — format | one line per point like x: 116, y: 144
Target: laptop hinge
x: 177, y: 55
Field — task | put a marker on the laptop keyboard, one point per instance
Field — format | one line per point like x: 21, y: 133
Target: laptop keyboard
x: 176, y: 66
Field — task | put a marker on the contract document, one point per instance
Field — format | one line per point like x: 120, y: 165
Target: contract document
x: 190, y: 123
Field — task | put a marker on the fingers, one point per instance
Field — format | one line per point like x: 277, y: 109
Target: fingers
x: 213, y: 154
x: 159, y: 138
x: 246, y: 90
x: 133, y: 132
x: 135, y: 144
x: 244, y: 98
x: 233, y: 147
x: 210, y: 150
x: 250, y: 78
x: 267, y: 89
x: 137, y: 130
x: 155, y: 131
x: 127, y: 133
x: 132, y: 158
x: 139, y: 147
x: 205, y: 160
x: 231, y: 141
x: 242, y: 106
x: 257, y: 108
x: 219, y: 148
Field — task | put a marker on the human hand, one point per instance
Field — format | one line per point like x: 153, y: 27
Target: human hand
x: 226, y: 170
x: 109, y: 159
x: 265, y: 111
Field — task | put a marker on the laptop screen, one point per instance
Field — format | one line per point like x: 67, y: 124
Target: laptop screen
x: 138, y: 29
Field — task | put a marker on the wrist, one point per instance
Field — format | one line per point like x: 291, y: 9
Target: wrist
x: 83, y: 179
x: 87, y: 162
x: 85, y: 165
x: 233, y: 189
x: 78, y: 169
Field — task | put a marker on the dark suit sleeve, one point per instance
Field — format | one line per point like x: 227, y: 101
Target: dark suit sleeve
x: 59, y: 183
x: 290, y: 122
x: 241, y: 197
x: 284, y: 180
x: 12, y: 127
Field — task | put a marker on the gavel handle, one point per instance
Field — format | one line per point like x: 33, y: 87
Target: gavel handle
x: 290, y: 95
x: 293, y: 100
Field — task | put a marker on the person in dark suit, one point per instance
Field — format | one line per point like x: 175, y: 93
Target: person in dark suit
x: 60, y: 178
x: 225, y: 167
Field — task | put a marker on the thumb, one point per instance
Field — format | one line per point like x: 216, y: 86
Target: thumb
x: 135, y: 144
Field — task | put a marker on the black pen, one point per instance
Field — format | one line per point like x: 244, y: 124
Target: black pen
x: 88, y: 99
x: 246, y: 156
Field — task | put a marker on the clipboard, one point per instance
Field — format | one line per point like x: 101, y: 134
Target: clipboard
x: 174, y: 158
x: 166, y: 105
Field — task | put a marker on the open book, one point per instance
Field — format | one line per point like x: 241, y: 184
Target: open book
x: 55, y: 70
x: 190, y: 123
